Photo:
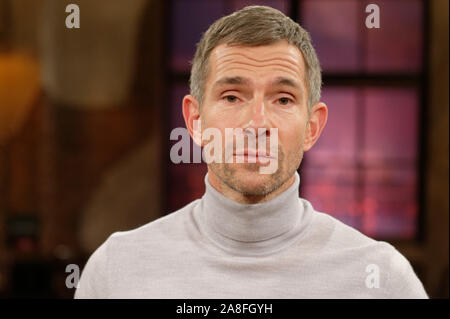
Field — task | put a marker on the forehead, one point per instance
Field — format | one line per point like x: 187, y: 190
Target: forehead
x: 278, y: 59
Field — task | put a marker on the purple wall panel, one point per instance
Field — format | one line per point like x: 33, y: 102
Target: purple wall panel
x: 391, y: 130
x: 334, y: 26
x: 397, y: 45
x: 190, y: 19
x: 338, y: 139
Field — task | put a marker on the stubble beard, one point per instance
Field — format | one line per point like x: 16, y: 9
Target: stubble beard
x: 232, y: 175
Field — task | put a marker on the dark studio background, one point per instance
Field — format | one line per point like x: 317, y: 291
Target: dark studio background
x: 86, y: 114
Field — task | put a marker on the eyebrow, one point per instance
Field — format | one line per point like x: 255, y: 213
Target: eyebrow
x: 232, y: 80
x: 238, y: 80
x: 286, y: 81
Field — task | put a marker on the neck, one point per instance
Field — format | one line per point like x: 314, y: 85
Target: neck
x: 252, y: 229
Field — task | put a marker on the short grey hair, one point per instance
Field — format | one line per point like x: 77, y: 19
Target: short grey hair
x: 253, y: 26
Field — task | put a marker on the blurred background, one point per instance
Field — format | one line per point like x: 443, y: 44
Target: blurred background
x: 86, y: 114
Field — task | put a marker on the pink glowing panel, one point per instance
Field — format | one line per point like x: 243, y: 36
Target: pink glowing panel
x: 397, y: 45
x: 331, y: 190
x: 391, y: 125
x: 390, y: 202
x: 190, y: 18
x: 337, y: 144
x: 334, y: 27
x: 282, y: 5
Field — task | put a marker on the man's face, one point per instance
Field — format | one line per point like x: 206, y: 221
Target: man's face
x: 251, y: 88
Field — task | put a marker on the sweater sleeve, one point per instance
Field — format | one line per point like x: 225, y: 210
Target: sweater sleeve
x: 93, y: 283
x: 403, y: 282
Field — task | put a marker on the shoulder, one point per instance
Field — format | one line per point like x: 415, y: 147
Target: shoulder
x: 123, y: 249
x: 168, y: 227
x: 335, y: 234
x: 402, y: 279
x: 333, y: 237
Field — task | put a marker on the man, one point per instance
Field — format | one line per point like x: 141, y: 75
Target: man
x: 250, y: 235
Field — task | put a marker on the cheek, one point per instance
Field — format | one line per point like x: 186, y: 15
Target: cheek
x: 216, y: 122
x: 291, y: 137
x: 220, y: 120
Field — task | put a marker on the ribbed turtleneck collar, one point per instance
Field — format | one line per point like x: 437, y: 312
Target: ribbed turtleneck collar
x: 252, y: 229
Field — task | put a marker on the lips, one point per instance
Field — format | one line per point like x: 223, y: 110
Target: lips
x: 259, y: 156
x: 253, y: 152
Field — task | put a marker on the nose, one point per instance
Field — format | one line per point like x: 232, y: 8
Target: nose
x: 257, y: 128
x: 258, y: 117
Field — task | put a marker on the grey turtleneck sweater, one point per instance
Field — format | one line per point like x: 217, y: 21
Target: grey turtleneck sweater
x: 217, y: 248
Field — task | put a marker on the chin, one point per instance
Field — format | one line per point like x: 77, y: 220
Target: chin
x: 247, y: 179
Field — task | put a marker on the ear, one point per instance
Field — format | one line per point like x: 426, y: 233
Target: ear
x: 192, y: 118
x: 316, y: 123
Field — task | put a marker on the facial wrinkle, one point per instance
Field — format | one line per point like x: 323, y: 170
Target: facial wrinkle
x: 279, y: 67
x: 287, y: 57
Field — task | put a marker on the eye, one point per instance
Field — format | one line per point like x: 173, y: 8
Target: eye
x: 230, y: 98
x: 284, y: 100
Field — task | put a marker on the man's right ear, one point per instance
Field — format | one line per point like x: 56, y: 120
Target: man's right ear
x: 192, y: 118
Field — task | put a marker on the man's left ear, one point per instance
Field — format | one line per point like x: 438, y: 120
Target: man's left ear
x: 316, y: 123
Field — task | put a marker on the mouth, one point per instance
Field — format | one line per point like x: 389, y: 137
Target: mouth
x: 253, y: 156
